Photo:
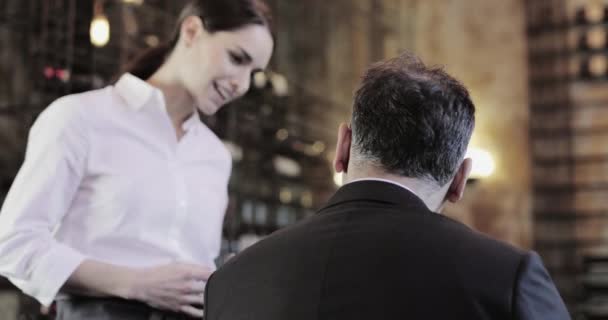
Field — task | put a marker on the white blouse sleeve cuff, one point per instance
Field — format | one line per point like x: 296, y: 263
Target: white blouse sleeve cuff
x: 51, y: 273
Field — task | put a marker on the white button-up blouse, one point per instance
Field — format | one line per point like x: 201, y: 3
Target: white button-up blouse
x: 105, y: 178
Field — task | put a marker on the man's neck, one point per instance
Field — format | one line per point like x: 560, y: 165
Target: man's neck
x: 430, y: 195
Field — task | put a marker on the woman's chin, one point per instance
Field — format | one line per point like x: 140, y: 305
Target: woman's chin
x: 209, y: 109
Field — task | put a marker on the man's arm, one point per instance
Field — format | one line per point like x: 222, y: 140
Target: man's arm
x: 536, y: 297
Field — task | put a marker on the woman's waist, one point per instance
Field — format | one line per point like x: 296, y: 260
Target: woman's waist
x: 133, y: 251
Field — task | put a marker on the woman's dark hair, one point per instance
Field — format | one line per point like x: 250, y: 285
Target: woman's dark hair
x: 217, y: 15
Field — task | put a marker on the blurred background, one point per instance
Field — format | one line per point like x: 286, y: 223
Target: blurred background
x: 537, y: 71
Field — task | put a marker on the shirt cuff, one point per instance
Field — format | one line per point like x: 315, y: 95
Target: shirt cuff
x: 52, y: 272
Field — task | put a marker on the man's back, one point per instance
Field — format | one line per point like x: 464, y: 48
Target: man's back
x: 376, y: 252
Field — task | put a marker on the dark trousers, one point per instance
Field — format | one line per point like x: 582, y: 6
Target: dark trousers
x: 80, y: 308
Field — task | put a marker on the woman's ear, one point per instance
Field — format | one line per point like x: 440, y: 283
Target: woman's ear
x: 191, y: 28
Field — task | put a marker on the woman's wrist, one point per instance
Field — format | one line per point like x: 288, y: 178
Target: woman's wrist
x: 126, y: 287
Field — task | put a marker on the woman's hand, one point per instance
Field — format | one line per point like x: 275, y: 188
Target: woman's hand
x: 177, y: 287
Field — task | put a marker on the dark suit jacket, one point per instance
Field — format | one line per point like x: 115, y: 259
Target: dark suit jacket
x: 377, y: 252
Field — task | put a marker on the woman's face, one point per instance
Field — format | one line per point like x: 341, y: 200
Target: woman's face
x: 219, y: 65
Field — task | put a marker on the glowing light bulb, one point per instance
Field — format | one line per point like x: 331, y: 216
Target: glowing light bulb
x: 100, y: 31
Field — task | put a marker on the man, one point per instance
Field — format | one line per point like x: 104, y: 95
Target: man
x: 379, y: 249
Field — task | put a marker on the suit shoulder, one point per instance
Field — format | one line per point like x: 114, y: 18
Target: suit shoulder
x: 477, y: 240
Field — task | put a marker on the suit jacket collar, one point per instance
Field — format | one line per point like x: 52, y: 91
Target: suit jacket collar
x: 376, y: 191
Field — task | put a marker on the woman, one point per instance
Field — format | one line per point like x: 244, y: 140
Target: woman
x: 123, y: 189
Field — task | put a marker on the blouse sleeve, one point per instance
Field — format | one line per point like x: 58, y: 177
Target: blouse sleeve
x: 40, y: 196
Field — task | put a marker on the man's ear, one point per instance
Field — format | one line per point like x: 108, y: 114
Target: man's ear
x: 343, y: 148
x: 456, y: 189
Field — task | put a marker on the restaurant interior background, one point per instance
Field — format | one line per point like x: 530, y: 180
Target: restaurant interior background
x: 537, y: 71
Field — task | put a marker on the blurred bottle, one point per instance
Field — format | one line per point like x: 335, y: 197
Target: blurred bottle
x: 590, y: 13
x: 594, y: 67
x: 247, y: 235
x: 261, y: 219
x: 594, y: 38
x: 286, y: 215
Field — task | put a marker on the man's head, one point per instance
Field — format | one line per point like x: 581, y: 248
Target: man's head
x: 410, y: 121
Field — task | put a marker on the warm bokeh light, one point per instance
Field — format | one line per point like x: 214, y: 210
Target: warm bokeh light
x: 280, y: 86
x: 596, y: 38
x: 260, y: 79
x: 100, y: 31
x: 338, y: 179
x: 598, y: 65
x: 483, y: 163
x: 594, y: 12
x: 134, y: 2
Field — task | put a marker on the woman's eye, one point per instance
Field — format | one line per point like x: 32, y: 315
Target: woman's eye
x: 236, y: 59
